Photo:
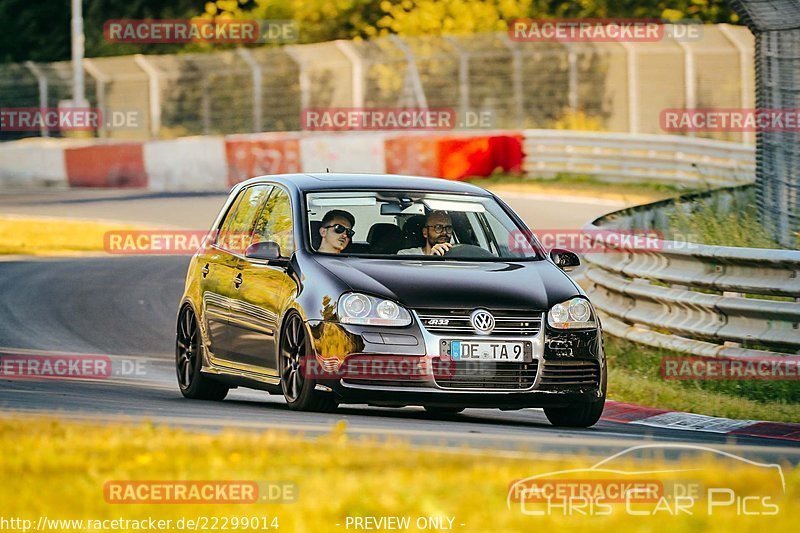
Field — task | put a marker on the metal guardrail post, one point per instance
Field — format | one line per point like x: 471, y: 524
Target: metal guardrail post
x: 357, y: 66
x: 745, y: 75
x: 258, y: 92
x: 690, y: 93
x: 463, y: 76
x: 412, y: 72
x: 43, y: 96
x: 516, y: 80
x: 154, y: 92
x: 100, y: 80
x: 572, y: 91
x: 633, y: 87
x: 304, y: 79
x: 206, y: 103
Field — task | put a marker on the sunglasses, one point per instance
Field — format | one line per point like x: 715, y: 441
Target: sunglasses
x: 338, y: 228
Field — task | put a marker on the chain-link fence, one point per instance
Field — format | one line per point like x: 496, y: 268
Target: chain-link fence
x: 606, y: 86
x: 777, y: 56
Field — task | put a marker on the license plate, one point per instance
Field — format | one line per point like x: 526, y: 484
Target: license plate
x: 510, y: 352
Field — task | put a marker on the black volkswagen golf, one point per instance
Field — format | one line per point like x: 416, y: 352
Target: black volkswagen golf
x: 389, y: 291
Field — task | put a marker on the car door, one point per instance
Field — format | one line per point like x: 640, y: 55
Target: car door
x: 219, y: 286
x: 254, y: 315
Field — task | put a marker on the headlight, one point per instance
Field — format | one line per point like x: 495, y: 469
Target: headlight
x: 573, y: 314
x: 356, y: 308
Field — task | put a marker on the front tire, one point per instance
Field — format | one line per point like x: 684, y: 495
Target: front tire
x: 581, y: 415
x: 188, y: 361
x: 299, y: 390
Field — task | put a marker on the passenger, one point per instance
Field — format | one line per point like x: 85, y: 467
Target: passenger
x: 336, y: 230
x: 437, y: 231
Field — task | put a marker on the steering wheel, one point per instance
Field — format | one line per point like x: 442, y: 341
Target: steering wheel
x: 468, y: 250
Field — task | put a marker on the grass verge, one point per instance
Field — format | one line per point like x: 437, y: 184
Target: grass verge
x: 58, y: 470
x: 635, y: 377
x: 53, y: 236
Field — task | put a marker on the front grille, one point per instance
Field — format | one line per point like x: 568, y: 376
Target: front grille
x: 487, y: 375
x: 456, y: 322
x: 570, y: 375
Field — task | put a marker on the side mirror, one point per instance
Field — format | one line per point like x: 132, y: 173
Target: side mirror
x: 564, y: 259
x: 268, y: 251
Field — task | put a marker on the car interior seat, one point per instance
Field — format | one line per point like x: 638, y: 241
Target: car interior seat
x: 316, y: 238
x: 385, y: 238
x: 412, y: 232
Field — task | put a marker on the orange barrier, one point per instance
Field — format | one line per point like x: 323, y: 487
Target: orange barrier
x: 250, y: 156
x: 454, y: 157
x: 415, y: 155
x: 106, y: 165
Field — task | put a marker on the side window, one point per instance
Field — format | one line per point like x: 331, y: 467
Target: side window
x: 237, y: 228
x: 275, y: 222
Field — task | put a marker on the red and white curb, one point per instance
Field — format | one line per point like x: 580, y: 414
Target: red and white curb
x: 627, y: 413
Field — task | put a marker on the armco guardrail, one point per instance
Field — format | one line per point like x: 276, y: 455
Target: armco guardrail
x: 638, y: 157
x: 694, y: 298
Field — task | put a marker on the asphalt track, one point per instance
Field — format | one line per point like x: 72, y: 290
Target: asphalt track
x: 124, y: 307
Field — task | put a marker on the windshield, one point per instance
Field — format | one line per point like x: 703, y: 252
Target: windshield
x: 404, y: 225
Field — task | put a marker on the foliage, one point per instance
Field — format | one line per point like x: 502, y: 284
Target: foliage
x: 42, y: 32
x: 578, y: 121
x: 52, y: 236
x: 58, y: 470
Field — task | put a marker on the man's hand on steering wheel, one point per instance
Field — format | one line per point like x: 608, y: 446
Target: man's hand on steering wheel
x: 441, y: 248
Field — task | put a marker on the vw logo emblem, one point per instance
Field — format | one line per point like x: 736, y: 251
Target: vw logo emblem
x: 482, y: 321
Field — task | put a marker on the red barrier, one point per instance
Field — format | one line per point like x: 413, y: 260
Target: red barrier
x: 454, y: 157
x: 250, y: 156
x: 106, y: 165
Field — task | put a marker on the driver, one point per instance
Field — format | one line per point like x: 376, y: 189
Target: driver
x: 437, y: 231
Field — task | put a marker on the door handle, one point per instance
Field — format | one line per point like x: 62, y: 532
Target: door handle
x: 204, y: 270
x: 237, y: 280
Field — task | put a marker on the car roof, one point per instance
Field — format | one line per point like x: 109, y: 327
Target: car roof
x: 339, y: 181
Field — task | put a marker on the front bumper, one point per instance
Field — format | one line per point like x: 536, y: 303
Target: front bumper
x: 567, y: 367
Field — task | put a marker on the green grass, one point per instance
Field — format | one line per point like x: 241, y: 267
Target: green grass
x: 635, y: 377
x: 737, y: 226
x: 735, y: 223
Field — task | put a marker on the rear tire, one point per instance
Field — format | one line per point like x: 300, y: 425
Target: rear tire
x: 580, y: 415
x: 299, y: 390
x: 189, y: 360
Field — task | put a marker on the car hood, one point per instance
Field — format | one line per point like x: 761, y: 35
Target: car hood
x: 449, y: 285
